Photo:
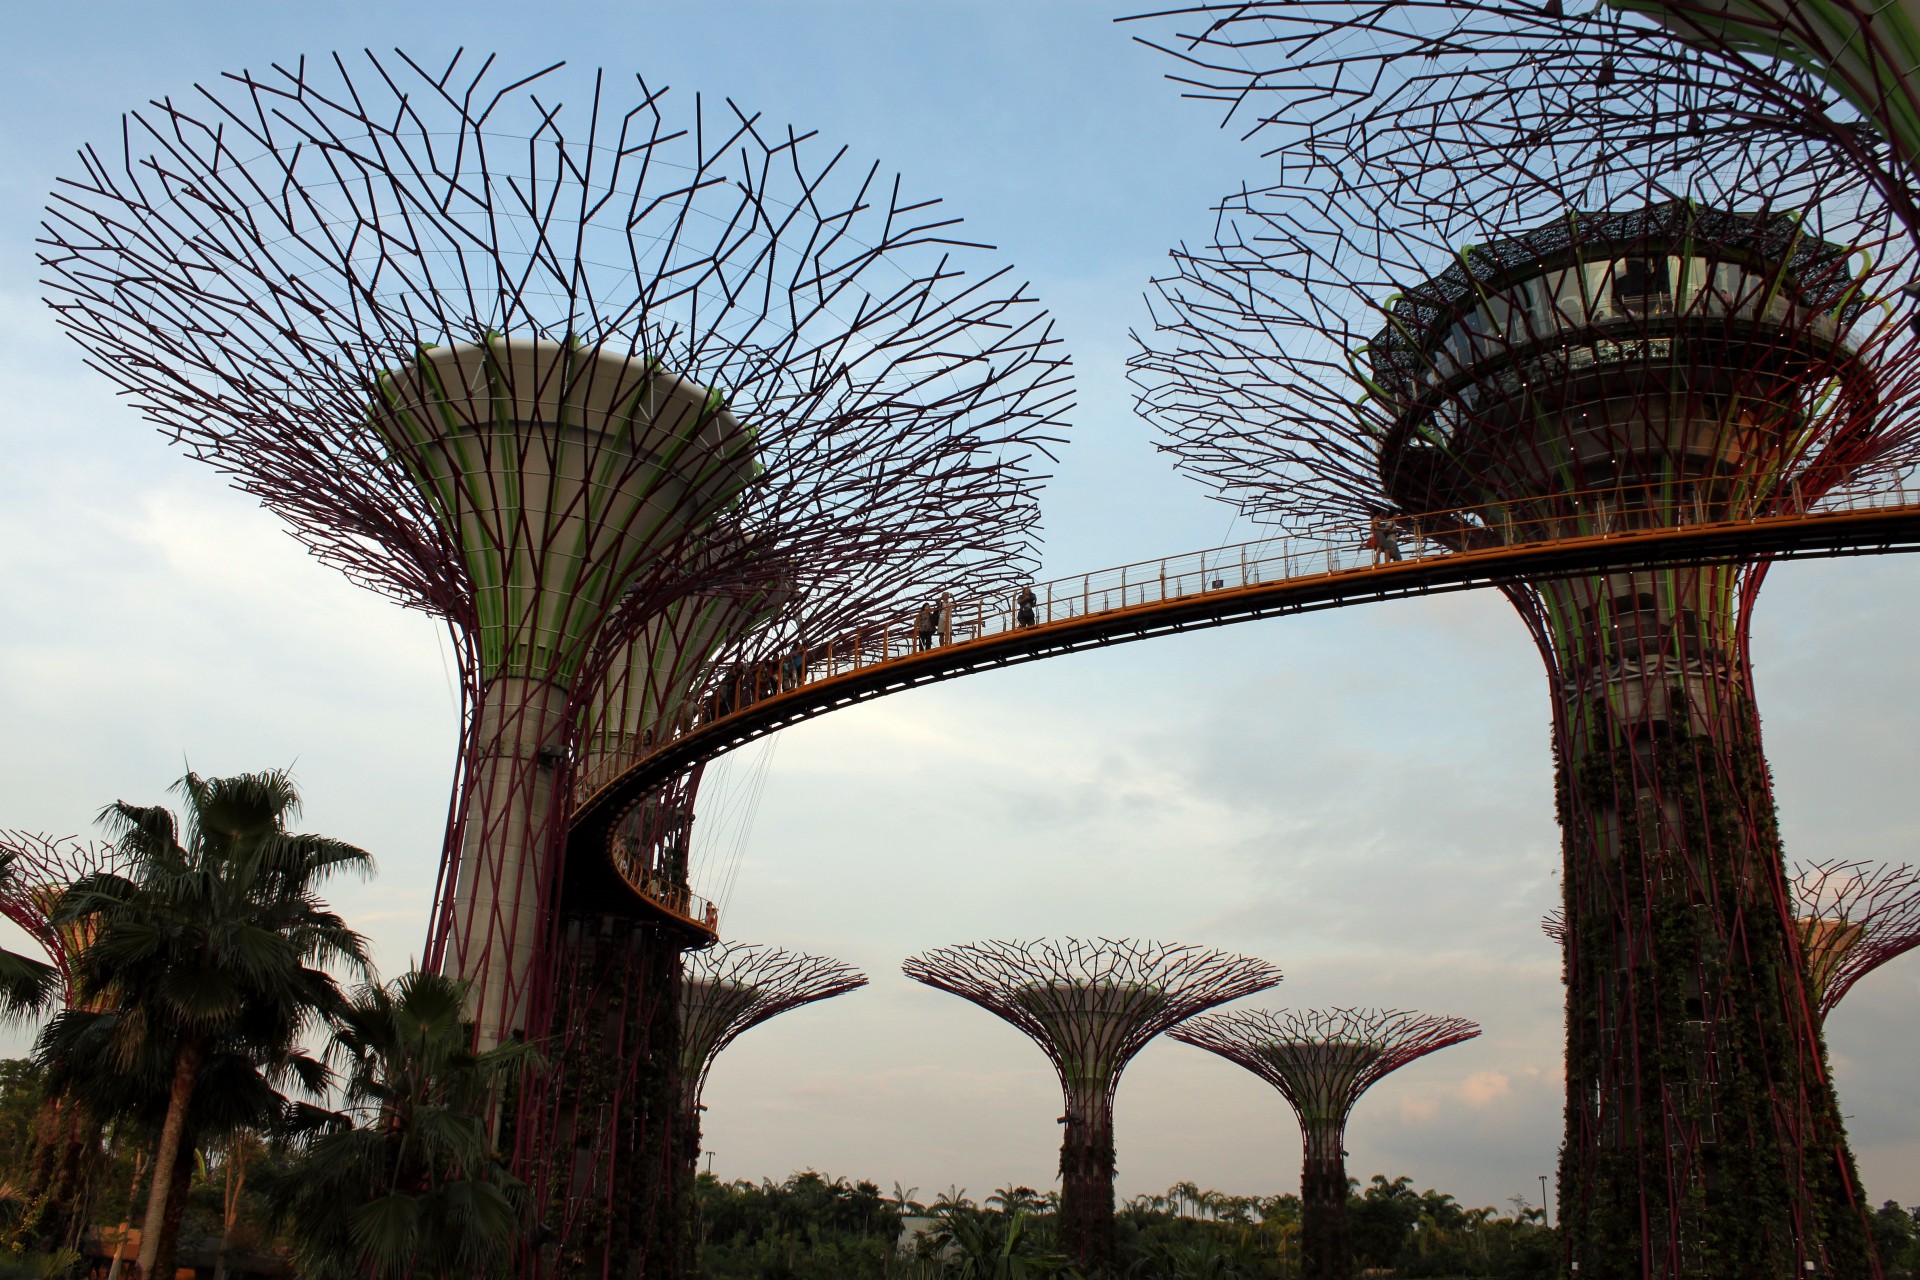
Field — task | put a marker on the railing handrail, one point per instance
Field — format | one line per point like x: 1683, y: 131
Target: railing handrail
x: 1337, y: 547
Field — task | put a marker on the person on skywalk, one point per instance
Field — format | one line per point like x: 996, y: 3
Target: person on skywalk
x: 1385, y: 543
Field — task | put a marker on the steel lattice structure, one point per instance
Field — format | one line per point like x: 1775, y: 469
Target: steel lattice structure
x: 1090, y: 1006
x: 1854, y: 917
x: 1322, y: 1060
x: 61, y: 1177
x: 43, y: 868
x: 1399, y: 92
x: 617, y: 390
x: 1423, y: 325
x: 730, y: 989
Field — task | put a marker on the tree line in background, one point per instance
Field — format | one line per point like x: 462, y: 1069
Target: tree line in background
x: 812, y: 1227
x: 815, y: 1227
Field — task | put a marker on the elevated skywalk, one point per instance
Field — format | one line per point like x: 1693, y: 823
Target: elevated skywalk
x: 1296, y: 573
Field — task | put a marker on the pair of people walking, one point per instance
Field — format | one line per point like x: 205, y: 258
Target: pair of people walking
x: 934, y: 618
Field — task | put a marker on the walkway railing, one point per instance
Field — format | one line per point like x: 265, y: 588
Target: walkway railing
x: 660, y: 890
x: 1349, y: 548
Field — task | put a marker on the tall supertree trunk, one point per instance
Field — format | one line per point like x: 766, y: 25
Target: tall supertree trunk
x: 600, y: 1128
x: 509, y: 835
x: 683, y: 1192
x: 1086, y: 1182
x: 1325, y: 1252
x: 1703, y: 1138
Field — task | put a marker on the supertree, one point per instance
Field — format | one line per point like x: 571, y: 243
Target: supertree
x: 1322, y: 1060
x: 730, y: 989
x: 1090, y: 1006
x: 1485, y: 352
x: 1854, y: 917
x: 65, y: 1157
x: 549, y: 375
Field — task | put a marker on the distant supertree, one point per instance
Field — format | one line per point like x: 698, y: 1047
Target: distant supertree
x: 57, y: 1185
x: 1091, y: 1006
x: 41, y: 870
x: 730, y: 989
x: 1322, y: 1060
x: 1484, y: 344
x: 1853, y: 917
x: 547, y: 373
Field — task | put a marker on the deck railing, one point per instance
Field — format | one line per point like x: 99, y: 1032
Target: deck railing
x: 663, y: 892
x: 1350, y: 547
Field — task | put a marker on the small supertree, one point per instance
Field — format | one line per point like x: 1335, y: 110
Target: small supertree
x: 1854, y: 917
x: 726, y: 991
x: 729, y: 989
x: 1090, y: 1006
x: 1322, y: 1060
x: 42, y: 869
x: 64, y: 1157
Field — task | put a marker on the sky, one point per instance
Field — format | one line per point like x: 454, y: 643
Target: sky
x: 1363, y: 797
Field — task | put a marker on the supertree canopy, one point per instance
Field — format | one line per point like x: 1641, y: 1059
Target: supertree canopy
x: 1854, y: 917
x: 60, y: 1178
x: 1322, y: 1060
x: 564, y: 375
x: 730, y: 989
x: 39, y: 870
x: 1502, y: 349
x: 1091, y: 1006
x: 545, y: 386
x: 1409, y: 91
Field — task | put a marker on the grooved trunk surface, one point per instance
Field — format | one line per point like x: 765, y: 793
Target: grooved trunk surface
x: 1324, y: 1250
x: 600, y: 1140
x: 1703, y: 1138
x: 511, y: 838
x: 1086, y: 1186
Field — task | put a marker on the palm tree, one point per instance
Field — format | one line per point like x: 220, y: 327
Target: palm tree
x: 404, y: 1181
x: 209, y: 961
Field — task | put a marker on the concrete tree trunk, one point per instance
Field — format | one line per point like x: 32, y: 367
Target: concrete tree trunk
x: 1086, y: 1184
x: 1325, y: 1250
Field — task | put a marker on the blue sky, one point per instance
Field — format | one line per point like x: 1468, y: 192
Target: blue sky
x: 1363, y: 797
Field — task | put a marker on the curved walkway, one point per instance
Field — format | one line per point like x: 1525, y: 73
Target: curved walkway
x: 1277, y: 576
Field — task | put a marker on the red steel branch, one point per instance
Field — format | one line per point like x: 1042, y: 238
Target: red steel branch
x: 41, y: 870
